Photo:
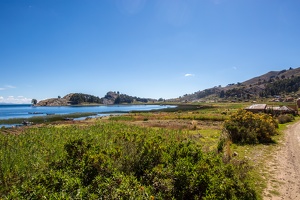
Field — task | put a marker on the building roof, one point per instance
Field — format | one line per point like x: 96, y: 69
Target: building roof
x: 273, y: 108
x: 257, y: 107
x: 280, y: 108
x: 285, y: 108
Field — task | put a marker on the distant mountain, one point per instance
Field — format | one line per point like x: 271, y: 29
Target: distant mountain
x: 284, y: 83
x: 80, y: 98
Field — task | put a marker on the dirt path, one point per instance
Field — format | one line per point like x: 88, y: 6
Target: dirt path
x: 284, y: 169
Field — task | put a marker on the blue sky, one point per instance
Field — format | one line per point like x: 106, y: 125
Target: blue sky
x: 145, y: 48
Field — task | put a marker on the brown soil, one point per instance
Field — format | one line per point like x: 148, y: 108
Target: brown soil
x: 284, y: 168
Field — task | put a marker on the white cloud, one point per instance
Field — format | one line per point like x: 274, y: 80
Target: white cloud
x: 10, y: 86
x: 235, y: 68
x: 17, y: 100
x: 7, y: 87
x: 187, y: 75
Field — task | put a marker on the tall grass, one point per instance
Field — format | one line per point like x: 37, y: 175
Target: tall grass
x: 45, y: 119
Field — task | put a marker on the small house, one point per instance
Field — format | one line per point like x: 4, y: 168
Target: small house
x: 257, y: 108
x: 278, y: 110
x: 275, y: 110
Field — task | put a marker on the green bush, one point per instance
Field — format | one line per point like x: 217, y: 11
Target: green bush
x: 282, y: 119
x: 248, y: 128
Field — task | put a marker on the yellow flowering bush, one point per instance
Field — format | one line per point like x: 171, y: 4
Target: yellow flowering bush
x: 245, y: 127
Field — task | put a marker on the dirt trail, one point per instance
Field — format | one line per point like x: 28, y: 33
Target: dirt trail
x: 284, y: 182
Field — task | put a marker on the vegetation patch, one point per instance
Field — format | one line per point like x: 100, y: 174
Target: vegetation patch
x: 161, y: 155
x: 245, y: 127
x: 113, y: 161
x: 282, y: 119
x: 46, y: 118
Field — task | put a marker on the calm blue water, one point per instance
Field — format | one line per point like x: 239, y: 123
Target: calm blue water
x: 26, y: 111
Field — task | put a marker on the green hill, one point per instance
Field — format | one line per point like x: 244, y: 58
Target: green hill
x: 274, y: 84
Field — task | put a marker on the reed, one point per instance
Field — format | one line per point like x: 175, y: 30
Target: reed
x: 46, y: 118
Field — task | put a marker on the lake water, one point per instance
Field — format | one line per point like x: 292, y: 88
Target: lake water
x: 26, y: 110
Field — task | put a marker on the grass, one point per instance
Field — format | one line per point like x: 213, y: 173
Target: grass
x: 208, y: 138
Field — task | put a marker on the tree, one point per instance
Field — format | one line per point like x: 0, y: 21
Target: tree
x: 117, y: 100
x: 34, y: 101
x: 222, y: 94
x: 79, y: 98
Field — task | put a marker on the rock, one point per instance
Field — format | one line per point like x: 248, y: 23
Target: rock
x: 110, y: 98
x: 53, y: 102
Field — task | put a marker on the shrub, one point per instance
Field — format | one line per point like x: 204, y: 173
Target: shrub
x: 248, y: 128
x: 282, y: 119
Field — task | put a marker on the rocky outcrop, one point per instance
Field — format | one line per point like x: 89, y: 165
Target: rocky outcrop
x: 53, y: 102
x: 110, y: 98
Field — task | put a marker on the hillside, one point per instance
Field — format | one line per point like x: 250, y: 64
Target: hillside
x: 284, y: 83
x: 80, y: 98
